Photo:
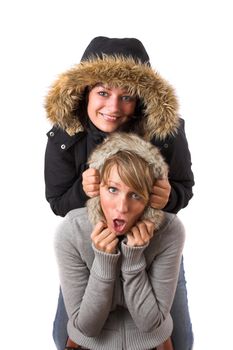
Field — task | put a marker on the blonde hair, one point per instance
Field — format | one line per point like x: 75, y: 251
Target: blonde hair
x: 133, y: 170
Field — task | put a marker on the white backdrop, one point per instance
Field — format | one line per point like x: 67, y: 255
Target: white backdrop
x: 190, y: 44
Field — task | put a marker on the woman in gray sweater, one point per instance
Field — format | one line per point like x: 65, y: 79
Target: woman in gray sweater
x: 119, y: 258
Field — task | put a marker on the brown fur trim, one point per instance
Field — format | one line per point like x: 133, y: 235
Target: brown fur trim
x: 161, y: 105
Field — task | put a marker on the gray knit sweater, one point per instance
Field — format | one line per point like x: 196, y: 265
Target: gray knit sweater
x: 123, y: 300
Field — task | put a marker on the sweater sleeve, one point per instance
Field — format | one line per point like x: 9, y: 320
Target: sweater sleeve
x: 149, y: 293
x: 87, y: 293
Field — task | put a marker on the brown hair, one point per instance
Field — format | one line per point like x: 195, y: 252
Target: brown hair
x: 134, y: 124
x: 133, y: 170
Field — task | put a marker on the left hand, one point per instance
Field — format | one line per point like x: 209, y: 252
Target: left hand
x: 160, y: 194
x: 140, y: 233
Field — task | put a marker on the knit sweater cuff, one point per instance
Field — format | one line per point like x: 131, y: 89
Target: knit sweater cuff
x: 133, y: 258
x: 104, y: 264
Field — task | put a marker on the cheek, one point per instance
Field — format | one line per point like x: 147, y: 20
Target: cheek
x: 128, y: 112
x: 105, y: 202
x: 90, y: 108
x: 137, y: 210
x: 93, y: 103
x: 131, y: 108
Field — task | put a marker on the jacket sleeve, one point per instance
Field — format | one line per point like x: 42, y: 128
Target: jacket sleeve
x: 87, y: 293
x: 149, y: 292
x: 177, y: 155
x: 63, y: 183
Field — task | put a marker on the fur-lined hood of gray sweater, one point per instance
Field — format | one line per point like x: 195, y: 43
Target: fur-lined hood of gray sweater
x: 119, y: 69
x: 120, y: 141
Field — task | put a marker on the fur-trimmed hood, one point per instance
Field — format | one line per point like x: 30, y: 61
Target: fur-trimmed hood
x: 120, y: 141
x: 160, y: 114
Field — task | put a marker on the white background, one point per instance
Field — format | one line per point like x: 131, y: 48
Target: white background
x: 190, y: 44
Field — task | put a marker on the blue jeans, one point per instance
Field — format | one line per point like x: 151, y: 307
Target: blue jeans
x: 182, y: 335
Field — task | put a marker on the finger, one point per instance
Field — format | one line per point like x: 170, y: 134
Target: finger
x: 157, y: 202
x: 92, y: 187
x: 146, y: 230
x: 98, y: 229
x: 101, y: 235
x: 105, y: 241
x: 163, y: 183
x: 158, y: 191
x: 130, y: 239
x: 138, y: 241
x: 150, y: 227
x: 92, y: 194
x: 111, y: 247
x: 91, y: 172
x: 106, y: 235
x: 142, y: 229
x: 88, y: 180
x: 91, y: 190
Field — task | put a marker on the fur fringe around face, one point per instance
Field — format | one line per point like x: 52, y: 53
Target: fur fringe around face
x: 129, y: 142
x: 161, y: 106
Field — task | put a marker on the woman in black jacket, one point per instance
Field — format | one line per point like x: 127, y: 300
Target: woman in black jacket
x: 117, y: 71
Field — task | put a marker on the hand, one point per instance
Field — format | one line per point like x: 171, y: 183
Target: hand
x: 91, y: 182
x: 141, y: 233
x: 103, y: 239
x: 160, y: 194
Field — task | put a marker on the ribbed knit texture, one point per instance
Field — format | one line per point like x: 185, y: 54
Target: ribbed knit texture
x: 118, y: 301
x: 104, y: 265
x: 134, y: 258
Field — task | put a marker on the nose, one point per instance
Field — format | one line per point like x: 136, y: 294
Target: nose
x: 114, y: 105
x: 123, y: 205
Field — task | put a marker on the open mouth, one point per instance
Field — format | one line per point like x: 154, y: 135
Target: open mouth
x: 119, y: 225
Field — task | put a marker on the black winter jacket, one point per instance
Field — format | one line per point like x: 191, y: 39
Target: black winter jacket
x: 69, y: 143
x: 66, y: 159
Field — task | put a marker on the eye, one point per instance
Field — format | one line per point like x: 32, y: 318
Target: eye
x: 135, y: 196
x: 102, y: 93
x: 112, y: 189
x: 128, y: 98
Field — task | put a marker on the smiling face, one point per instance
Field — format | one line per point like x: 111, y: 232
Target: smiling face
x: 110, y: 108
x: 121, y: 205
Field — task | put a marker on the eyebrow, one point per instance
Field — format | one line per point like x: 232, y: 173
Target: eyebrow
x: 110, y: 182
x: 102, y: 86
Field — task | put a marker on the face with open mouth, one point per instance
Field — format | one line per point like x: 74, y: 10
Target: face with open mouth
x: 109, y: 108
x: 121, y: 206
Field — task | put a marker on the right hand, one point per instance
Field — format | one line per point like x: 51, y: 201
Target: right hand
x: 91, y: 182
x: 103, y: 239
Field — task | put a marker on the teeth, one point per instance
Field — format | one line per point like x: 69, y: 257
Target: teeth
x: 107, y: 116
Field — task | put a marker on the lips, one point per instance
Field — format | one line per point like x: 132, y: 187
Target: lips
x: 119, y: 225
x: 108, y: 117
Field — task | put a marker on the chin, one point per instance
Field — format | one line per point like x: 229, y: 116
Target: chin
x: 109, y: 129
